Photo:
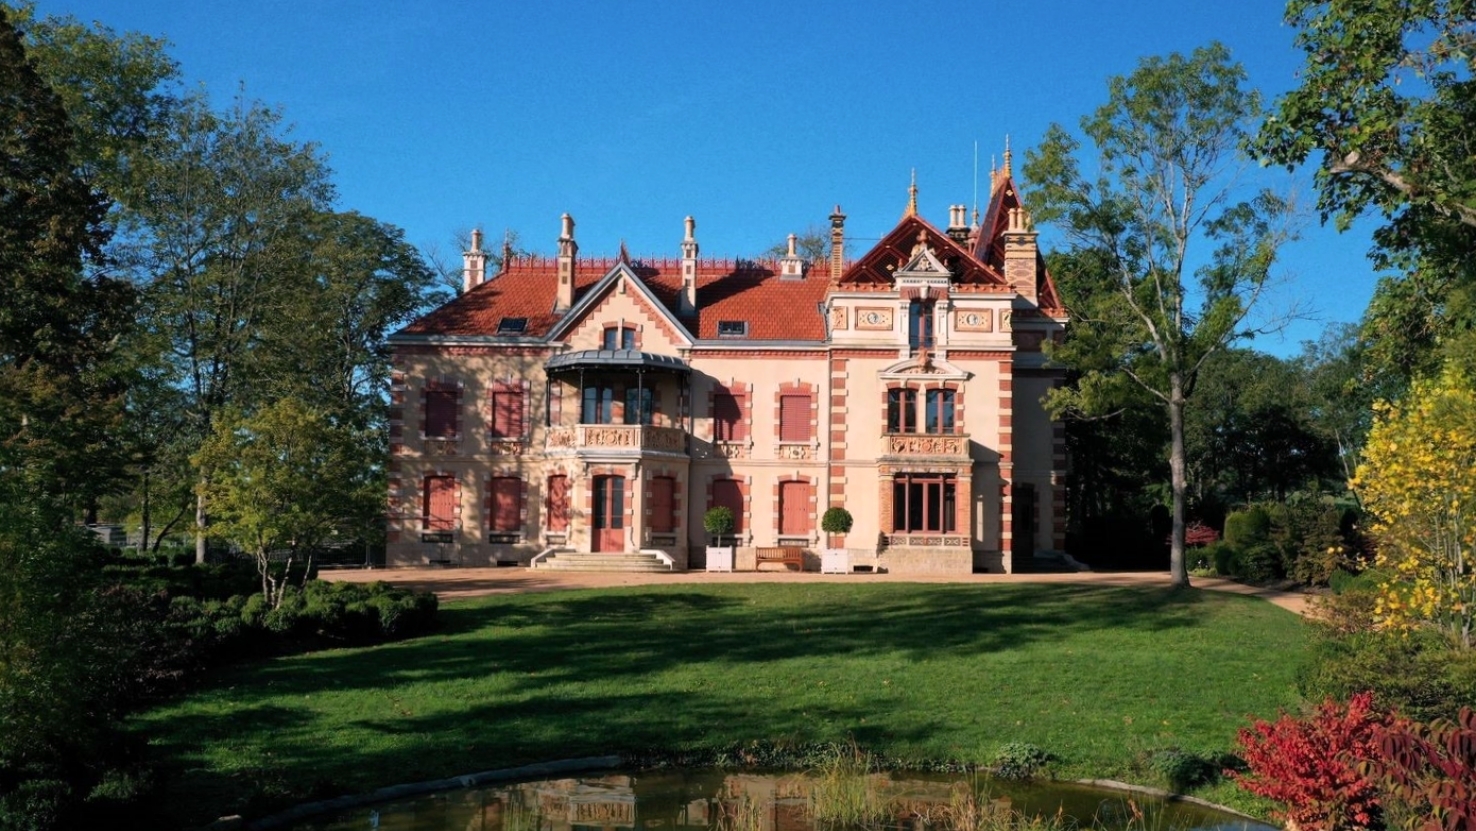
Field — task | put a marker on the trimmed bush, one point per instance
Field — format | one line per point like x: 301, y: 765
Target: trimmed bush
x: 1248, y: 527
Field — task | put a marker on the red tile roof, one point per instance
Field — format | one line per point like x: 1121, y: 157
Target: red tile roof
x: 874, y: 270
x: 753, y: 292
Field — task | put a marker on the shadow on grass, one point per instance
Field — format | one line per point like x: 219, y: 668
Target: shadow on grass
x: 566, y: 675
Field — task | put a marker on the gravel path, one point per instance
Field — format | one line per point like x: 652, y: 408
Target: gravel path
x: 455, y: 583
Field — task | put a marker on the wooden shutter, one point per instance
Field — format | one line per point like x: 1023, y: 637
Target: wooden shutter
x: 558, y: 503
x: 794, y: 509
x: 440, y: 413
x: 727, y: 417
x: 507, y: 503
x: 440, y: 503
x: 794, y: 418
x: 662, y: 516
x: 507, y: 414
x: 727, y: 494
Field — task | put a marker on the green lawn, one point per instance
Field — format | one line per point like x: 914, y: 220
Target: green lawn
x: 1095, y: 675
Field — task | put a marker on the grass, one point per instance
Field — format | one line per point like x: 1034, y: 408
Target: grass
x: 1095, y: 675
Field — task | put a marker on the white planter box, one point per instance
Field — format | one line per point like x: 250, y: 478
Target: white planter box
x: 835, y: 561
x: 720, y: 558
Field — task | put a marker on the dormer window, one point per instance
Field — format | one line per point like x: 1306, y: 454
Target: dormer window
x: 732, y: 328
x: 512, y: 326
x: 620, y: 337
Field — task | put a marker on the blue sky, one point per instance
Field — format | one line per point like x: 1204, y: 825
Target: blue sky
x: 754, y: 117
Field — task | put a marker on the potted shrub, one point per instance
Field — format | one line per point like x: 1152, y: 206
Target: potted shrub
x: 719, y: 523
x: 835, y: 520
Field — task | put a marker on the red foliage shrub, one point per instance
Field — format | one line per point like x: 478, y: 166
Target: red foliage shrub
x: 1197, y: 533
x: 1428, y: 773
x: 1312, y: 765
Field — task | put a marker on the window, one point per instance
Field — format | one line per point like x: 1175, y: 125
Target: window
x: 598, y: 406
x: 727, y: 418
x: 557, y: 503
x: 794, y: 509
x: 939, y: 416
x: 662, y: 507
x: 512, y: 325
x: 621, y: 337
x: 923, y: 503
x: 901, y: 411
x: 439, y: 504
x: 920, y: 324
x: 440, y: 414
x: 507, y: 504
x: 726, y: 493
x: 794, y: 418
x: 507, y: 414
x: 609, y: 502
x: 638, y: 405
x: 732, y: 328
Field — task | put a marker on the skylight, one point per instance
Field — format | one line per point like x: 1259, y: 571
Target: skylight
x: 512, y: 325
x: 732, y: 328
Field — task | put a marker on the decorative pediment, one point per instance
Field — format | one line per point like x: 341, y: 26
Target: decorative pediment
x: 923, y: 262
x: 924, y: 365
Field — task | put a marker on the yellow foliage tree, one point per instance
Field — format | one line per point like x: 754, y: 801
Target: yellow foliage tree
x: 1418, y: 480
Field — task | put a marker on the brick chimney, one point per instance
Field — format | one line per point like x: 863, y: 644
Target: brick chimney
x: 473, y: 263
x: 1020, y: 253
x: 958, y: 224
x: 837, y: 244
x: 568, y: 250
x: 687, y: 301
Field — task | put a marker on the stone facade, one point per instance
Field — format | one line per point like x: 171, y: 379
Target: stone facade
x: 606, y: 404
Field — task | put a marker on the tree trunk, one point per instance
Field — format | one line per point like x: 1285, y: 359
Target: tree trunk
x: 1178, y: 574
x: 200, y: 520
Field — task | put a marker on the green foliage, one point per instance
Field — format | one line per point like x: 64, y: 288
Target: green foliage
x: 718, y: 521
x: 1248, y: 527
x: 1019, y: 760
x: 1185, y: 770
x: 836, y: 521
x: 1166, y: 142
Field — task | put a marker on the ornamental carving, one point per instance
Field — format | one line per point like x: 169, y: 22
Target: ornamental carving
x: 838, y: 319
x: 506, y: 448
x: 561, y: 437
x: 797, y: 452
x: 925, y: 541
x: 442, y: 447
x: 874, y: 319
x: 609, y: 437
x: 974, y: 320
x: 730, y: 450
x: 923, y: 445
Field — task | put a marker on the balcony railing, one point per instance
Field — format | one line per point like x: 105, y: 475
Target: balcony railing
x: 924, y: 445
x: 632, y: 437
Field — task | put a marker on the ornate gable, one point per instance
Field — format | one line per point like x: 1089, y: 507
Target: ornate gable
x: 917, y: 249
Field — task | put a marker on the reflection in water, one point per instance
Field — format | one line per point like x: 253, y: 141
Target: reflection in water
x: 720, y: 801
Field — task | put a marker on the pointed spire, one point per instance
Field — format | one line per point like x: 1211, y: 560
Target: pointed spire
x: 624, y: 254
x: 1008, y: 156
x: 911, y: 197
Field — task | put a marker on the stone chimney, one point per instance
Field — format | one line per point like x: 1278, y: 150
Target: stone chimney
x: 837, y: 244
x: 958, y: 223
x: 473, y: 263
x: 1020, y: 253
x: 687, y: 301
x: 568, y: 251
x: 791, y: 267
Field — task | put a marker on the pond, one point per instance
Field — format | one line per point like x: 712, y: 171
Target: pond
x: 727, y: 801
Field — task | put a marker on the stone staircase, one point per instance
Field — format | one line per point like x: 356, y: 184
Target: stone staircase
x: 579, y: 561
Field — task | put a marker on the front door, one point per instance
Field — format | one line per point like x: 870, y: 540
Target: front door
x: 608, y: 516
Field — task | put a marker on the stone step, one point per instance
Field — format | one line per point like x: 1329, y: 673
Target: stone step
x: 587, y: 561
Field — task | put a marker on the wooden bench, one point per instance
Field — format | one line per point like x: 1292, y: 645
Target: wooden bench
x: 787, y: 555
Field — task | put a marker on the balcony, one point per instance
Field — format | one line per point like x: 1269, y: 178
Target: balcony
x: 618, y: 438
x: 907, y: 446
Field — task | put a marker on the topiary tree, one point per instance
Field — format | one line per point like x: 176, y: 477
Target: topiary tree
x: 836, y: 520
x: 719, y: 523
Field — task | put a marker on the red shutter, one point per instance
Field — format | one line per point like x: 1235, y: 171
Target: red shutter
x: 727, y: 494
x: 727, y: 417
x: 440, y: 503
x: 507, y: 503
x: 507, y: 414
x: 440, y: 413
x: 662, y: 519
x: 558, y: 503
x: 794, y: 418
x: 794, y: 508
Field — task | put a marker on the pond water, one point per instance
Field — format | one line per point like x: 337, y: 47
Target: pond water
x: 726, y: 801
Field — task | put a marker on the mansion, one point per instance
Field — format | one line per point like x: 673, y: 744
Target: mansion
x: 575, y: 404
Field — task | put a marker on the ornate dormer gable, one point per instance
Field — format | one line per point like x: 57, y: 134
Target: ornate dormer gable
x: 918, y: 249
x: 1006, y: 234
x: 924, y: 364
x: 622, y: 290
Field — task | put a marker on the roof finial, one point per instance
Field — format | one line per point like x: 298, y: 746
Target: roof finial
x: 1008, y: 155
x: 911, y: 197
x: 624, y: 254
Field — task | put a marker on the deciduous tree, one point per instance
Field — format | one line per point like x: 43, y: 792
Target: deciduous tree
x: 1167, y: 150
